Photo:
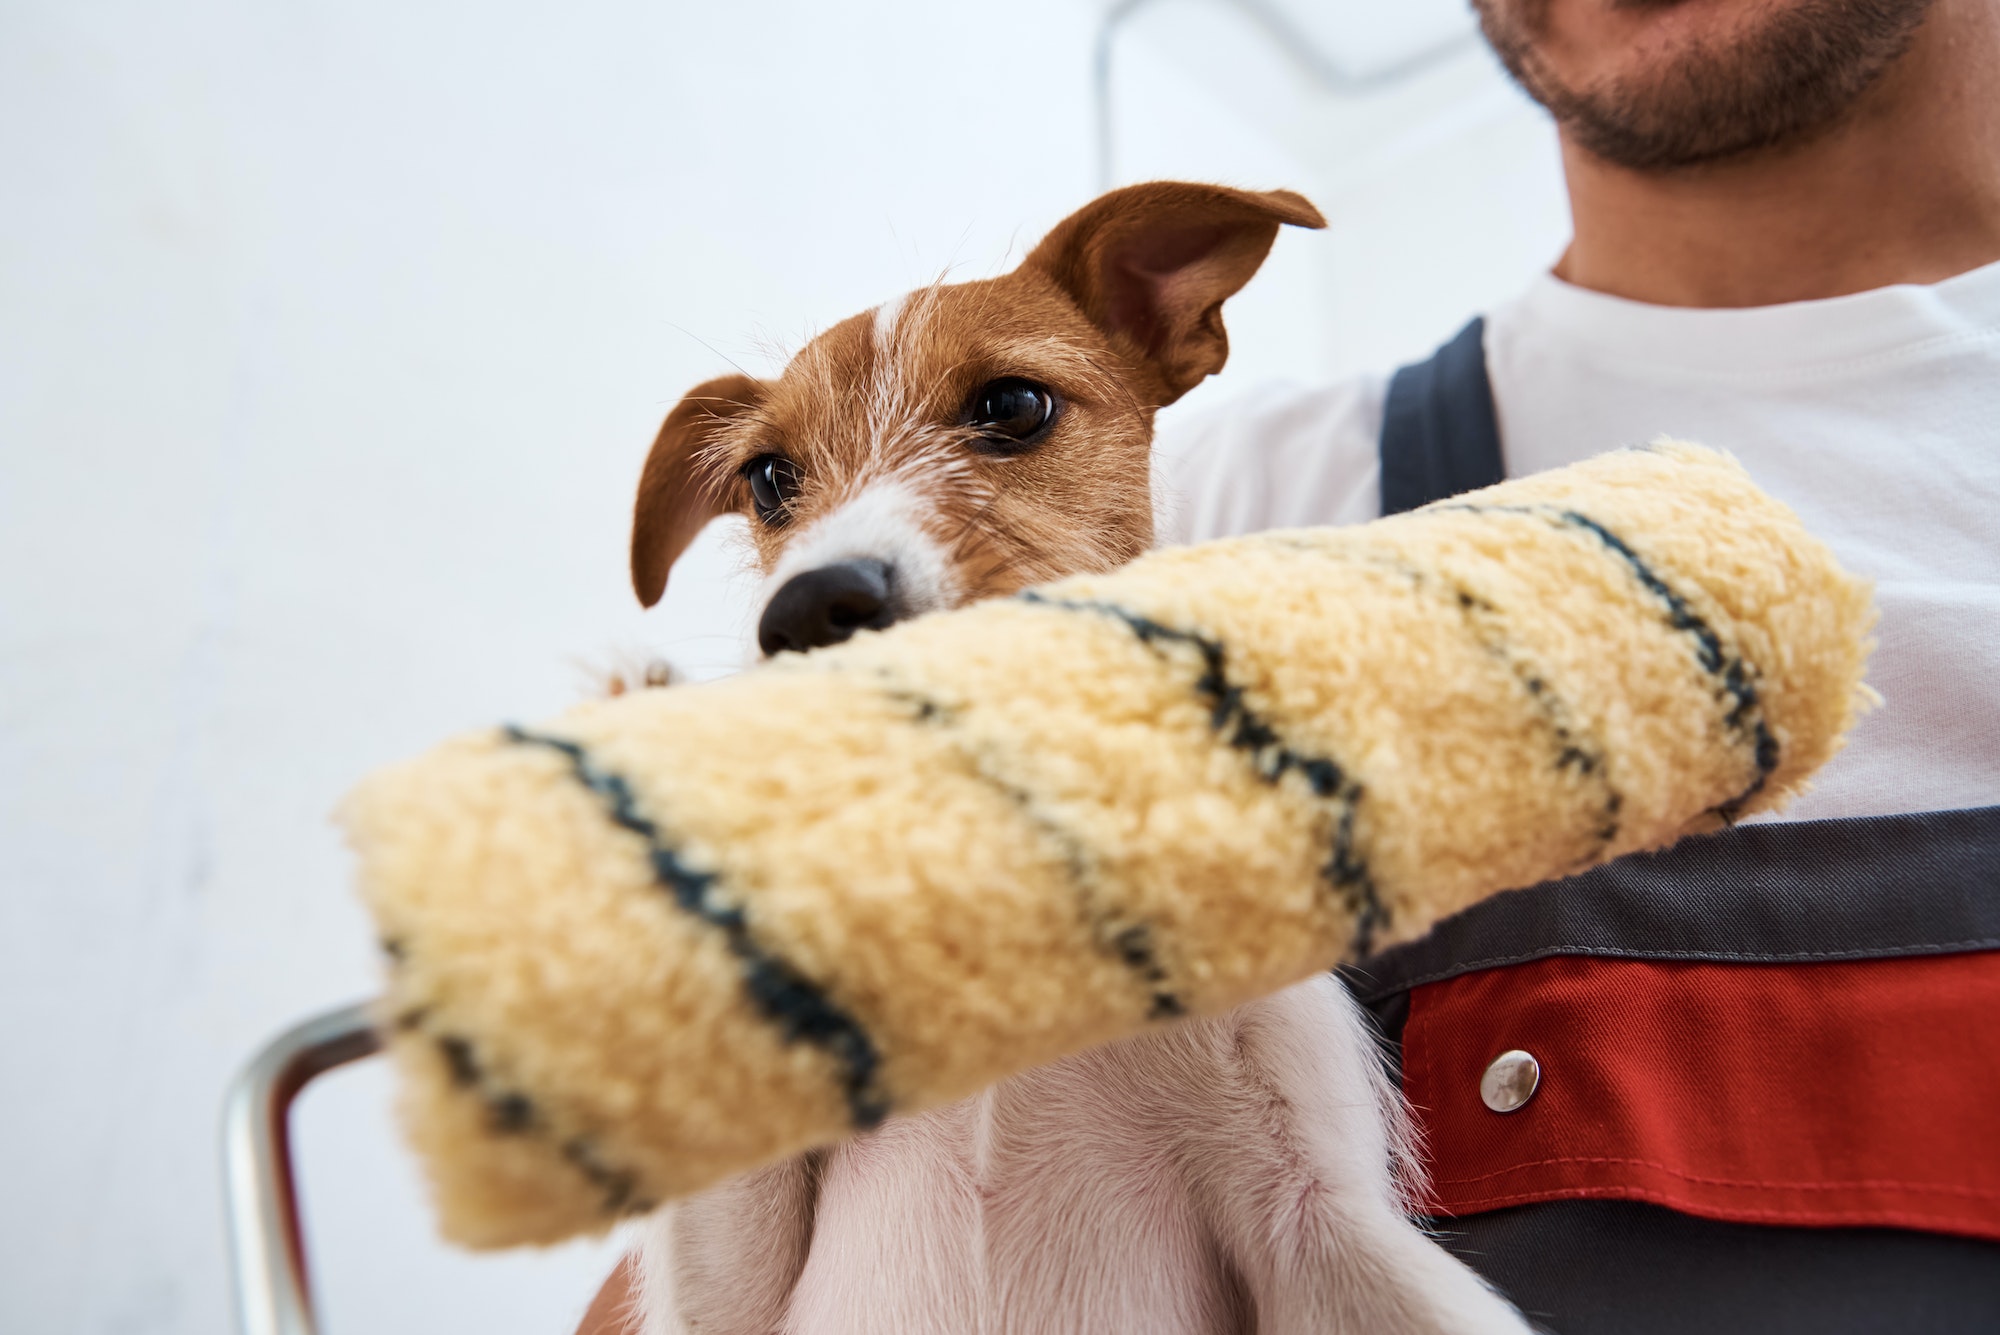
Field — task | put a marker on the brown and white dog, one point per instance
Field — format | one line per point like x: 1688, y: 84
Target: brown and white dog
x: 1233, y: 1174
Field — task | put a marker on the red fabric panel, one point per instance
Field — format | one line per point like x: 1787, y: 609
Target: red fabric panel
x: 1821, y: 1094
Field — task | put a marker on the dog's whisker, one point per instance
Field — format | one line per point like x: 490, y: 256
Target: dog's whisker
x: 973, y: 527
x: 710, y: 346
x: 987, y: 576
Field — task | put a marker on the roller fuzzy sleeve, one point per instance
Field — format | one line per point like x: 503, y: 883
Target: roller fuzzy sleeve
x: 668, y: 937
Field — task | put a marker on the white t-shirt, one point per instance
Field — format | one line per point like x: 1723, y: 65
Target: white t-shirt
x: 1875, y: 416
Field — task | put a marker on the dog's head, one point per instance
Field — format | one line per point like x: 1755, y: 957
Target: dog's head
x: 965, y: 440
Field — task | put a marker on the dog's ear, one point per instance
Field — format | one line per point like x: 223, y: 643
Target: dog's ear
x: 678, y: 491
x: 1152, y: 264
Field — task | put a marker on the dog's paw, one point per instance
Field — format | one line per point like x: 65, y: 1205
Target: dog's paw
x: 656, y: 672
x: 622, y: 673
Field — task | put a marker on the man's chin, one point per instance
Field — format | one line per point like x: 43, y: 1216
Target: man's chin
x: 1663, y: 84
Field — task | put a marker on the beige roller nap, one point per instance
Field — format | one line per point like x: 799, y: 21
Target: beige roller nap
x: 670, y: 936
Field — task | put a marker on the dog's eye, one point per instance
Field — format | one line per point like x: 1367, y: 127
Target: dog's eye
x: 1011, y: 413
x: 774, y: 481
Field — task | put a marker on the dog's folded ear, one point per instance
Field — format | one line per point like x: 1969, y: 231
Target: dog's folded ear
x: 1152, y: 264
x: 680, y: 489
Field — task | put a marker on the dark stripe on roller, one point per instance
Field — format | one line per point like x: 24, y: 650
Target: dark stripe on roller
x: 1745, y: 716
x: 510, y: 1112
x: 1734, y: 675
x: 1485, y: 623
x: 1240, y: 728
x: 802, y: 1011
x: 1130, y: 942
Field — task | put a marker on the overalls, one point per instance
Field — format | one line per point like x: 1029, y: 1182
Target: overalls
x: 1766, y: 1063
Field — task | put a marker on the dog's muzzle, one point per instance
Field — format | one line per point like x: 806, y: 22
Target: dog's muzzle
x: 827, y: 605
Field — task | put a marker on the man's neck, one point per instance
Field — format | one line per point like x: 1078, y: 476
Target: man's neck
x: 1905, y: 190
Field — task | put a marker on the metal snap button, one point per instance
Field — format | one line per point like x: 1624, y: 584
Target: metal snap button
x: 1510, y: 1081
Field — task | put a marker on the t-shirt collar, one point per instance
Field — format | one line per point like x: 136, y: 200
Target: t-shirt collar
x: 1763, y: 339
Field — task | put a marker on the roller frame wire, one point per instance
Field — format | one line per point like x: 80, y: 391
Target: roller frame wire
x: 267, y: 1249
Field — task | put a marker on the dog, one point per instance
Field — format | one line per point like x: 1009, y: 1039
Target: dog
x: 1215, y: 1176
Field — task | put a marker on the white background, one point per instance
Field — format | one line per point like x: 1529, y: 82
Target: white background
x: 331, y: 340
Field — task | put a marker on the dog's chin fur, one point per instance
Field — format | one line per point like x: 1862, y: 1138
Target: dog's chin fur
x: 1246, y: 1173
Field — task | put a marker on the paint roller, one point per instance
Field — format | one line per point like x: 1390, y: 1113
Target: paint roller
x: 667, y: 937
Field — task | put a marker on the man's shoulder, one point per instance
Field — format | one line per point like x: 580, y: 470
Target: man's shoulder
x: 1281, y: 456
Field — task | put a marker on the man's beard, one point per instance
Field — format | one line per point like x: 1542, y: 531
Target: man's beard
x: 1791, y: 76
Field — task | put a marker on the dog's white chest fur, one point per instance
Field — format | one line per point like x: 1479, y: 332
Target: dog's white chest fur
x: 1219, y: 1176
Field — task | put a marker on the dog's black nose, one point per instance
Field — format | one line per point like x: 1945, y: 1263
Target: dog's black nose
x: 827, y: 605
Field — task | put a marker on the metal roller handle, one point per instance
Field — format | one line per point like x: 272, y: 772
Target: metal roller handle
x: 266, y: 1245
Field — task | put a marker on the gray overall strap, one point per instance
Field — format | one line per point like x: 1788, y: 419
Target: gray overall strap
x: 1440, y: 435
x: 1782, y: 892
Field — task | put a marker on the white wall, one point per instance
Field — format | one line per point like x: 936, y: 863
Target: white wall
x: 1443, y: 194
x: 331, y: 338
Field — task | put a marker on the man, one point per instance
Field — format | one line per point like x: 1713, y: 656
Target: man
x: 1769, y: 1068
x: 1769, y: 1062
